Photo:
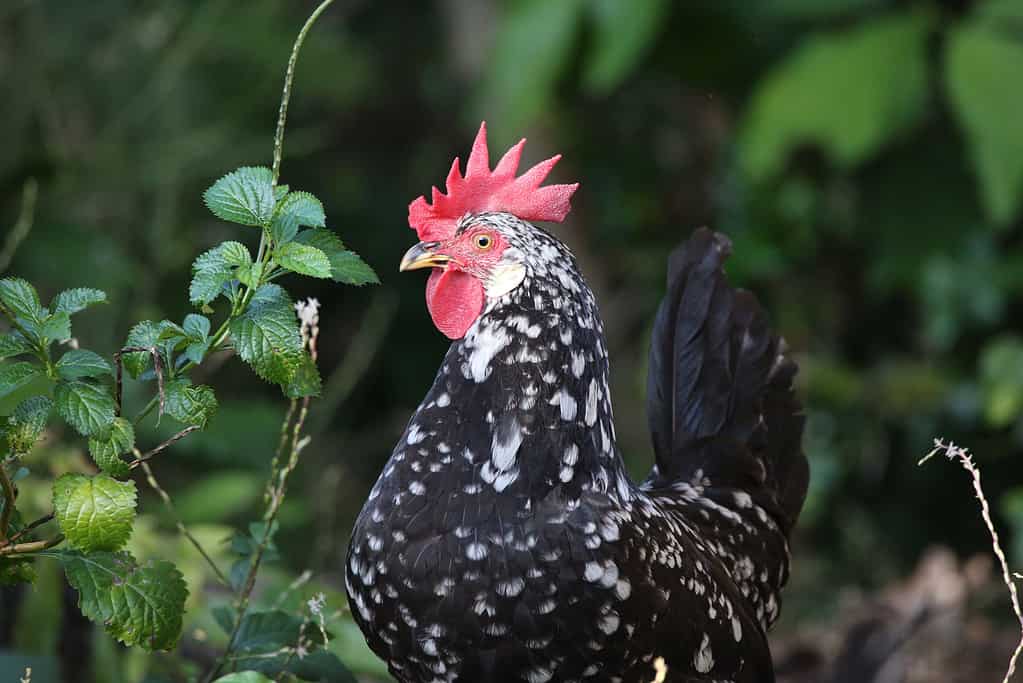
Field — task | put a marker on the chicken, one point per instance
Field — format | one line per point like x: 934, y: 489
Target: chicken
x: 504, y: 540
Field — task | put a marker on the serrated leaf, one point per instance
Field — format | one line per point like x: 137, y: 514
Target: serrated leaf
x: 280, y: 191
x: 266, y: 336
x: 21, y: 299
x: 14, y: 376
x: 143, y: 334
x: 94, y: 513
x: 250, y: 275
x: 137, y: 605
x: 13, y: 344
x: 215, y: 268
x: 303, y: 259
x: 191, y: 405
x: 107, y: 446
x: 349, y: 268
x: 74, y: 300
x: 56, y: 327
x: 345, y: 265
x: 849, y: 93
x: 78, y: 363
x: 25, y: 425
x: 306, y: 381
x: 196, y: 326
x: 980, y: 60
x: 262, y: 635
x: 87, y: 407
x: 297, y: 209
x: 244, y: 196
x: 624, y: 32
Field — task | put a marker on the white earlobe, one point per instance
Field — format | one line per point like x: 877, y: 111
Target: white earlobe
x: 504, y: 278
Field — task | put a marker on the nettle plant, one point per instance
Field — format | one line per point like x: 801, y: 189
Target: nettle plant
x: 46, y: 375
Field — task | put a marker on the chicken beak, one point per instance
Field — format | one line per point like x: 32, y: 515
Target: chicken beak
x: 423, y: 255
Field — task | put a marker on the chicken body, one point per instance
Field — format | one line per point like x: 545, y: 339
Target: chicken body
x: 504, y: 541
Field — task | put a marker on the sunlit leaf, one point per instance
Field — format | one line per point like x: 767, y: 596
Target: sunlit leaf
x: 244, y: 196
x: 94, y: 513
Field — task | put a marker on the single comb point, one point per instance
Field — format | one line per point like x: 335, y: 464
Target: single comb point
x: 481, y: 189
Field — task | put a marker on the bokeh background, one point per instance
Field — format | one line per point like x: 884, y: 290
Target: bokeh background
x: 865, y: 156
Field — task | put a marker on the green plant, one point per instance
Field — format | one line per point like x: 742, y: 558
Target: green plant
x: 46, y: 374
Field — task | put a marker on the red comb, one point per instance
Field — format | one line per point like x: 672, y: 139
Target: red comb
x: 484, y: 190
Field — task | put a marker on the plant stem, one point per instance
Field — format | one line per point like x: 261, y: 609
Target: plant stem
x: 262, y: 254
x: 8, y: 491
x: 26, y: 217
x: 182, y: 529
x: 27, y: 528
x: 32, y: 547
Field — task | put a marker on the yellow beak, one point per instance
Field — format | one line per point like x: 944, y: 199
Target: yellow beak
x: 422, y: 256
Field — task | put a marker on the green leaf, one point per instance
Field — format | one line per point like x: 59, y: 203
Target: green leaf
x: 56, y: 327
x: 303, y: 259
x: 78, y: 363
x: 280, y: 191
x: 625, y: 30
x: 13, y: 344
x: 297, y: 209
x: 21, y: 299
x: 215, y: 268
x: 266, y: 336
x: 244, y: 196
x: 191, y: 405
x: 86, y: 407
x: 138, y: 605
x: 1001, y: 375
x: 25, y: 425
x: 532, y: 49
x: 345, y: 265
x: 306, y: 209
x: 74, y: 300
x: 850, y: 93
x: 349, y: 268
x: 94, y: 513
x: 981, y: 59
x: 107, y: 446
x: 196, y: 326
x: 144, y: 334
x: 263, y: 633
x: 244, y: 677
x: 14, y: 376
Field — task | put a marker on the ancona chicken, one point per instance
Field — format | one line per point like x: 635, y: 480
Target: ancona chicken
x: 504, y: 540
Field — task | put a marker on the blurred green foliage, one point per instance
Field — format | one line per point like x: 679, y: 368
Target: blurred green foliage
x: 865, y: 156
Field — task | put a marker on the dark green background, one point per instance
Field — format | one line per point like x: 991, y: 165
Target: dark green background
x: 866, y: 157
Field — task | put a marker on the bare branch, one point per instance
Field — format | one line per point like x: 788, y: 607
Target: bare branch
x: 142, y: 457
x: 953, y: 452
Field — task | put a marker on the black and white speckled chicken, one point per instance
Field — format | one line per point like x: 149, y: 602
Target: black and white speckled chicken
x: 504, y: 540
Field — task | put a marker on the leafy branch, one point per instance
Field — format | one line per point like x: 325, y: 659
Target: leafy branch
x: 143, y: 604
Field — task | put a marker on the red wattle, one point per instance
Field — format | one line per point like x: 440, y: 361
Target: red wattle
x: 455, y: 300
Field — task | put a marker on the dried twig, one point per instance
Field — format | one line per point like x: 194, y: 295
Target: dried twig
x: 142, y: 457
x: 28, y: 528
x: 953, y: 452
x: 8, y: 490
x: 157, y: 367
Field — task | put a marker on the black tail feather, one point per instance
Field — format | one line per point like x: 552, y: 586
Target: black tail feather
x: 720, y: 402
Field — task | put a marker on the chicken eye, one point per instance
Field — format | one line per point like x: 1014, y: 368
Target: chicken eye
x: 483, y: 241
